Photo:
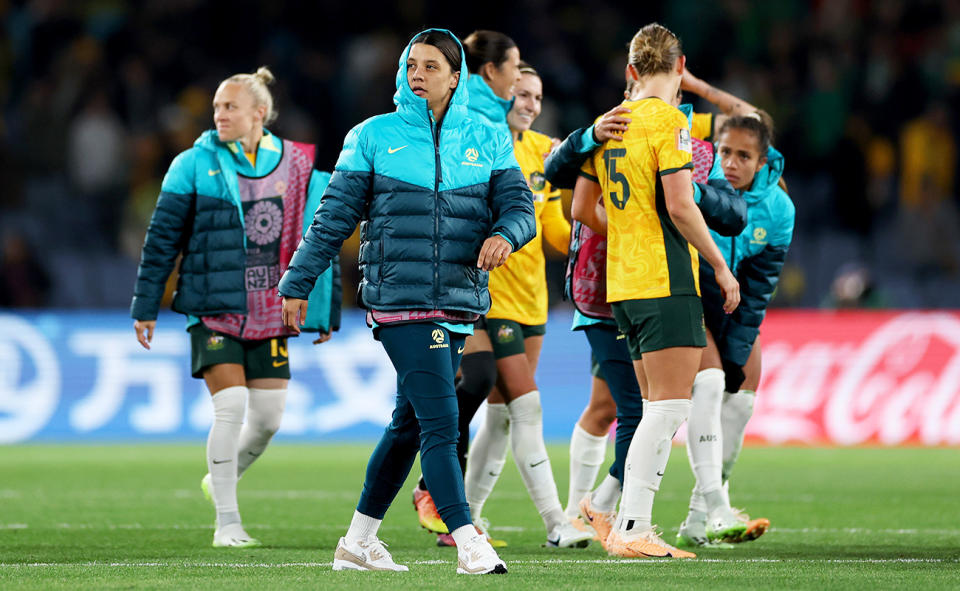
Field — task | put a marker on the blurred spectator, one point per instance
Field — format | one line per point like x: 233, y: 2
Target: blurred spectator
x: 97, y: 162
x: 853, y: 287
x: 24, y: 283
x: 928, y: 215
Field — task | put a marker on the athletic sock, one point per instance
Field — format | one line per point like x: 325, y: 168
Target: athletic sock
x: 605, y: 498
x: 704, y: 435
x: 487, y: 456
x: 264, y: 413
x: 530, y: 454
x: 464, y: 534
x: 647, y: 460
x: 734, y: 415
x: 362, y: 527
x: 222, y: 443
x: 587, y: 453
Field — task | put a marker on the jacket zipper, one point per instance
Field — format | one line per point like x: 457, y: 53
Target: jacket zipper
x: 438, y: 178
x: 733, y: 252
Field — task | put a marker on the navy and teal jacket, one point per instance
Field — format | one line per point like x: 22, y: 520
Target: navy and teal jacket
x: 428, y: 195
x: 199, y: 214
x: 755, y: 257
x: 723, y: 209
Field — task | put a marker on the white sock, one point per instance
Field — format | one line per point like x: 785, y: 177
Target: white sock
x: 734, y: 415
x: 530, y: 454
x: 487, y: 455
x: 697, y: 502
x: 464, y: 534
x: 362, y: 527
x: 647, y: 460
x: 587, y: 453
x: 222, y: 443
x: 605, y: 498
x: 264, y: 412
x: 704, y: 434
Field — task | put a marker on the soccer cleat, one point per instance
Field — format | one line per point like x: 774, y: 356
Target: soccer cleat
x: 693, y: 534
x: 366, y: 554
x: 567, y: 536
x: 427, y: 512
x: 755, y: 527
x: 477, y: 557
x: 600, y: 521
x: 582, y: 525
x: 206, y: 485
x: 446, y: 541
x: 233, y: 536
x: 647, y: 544
x: 724, y: 526
x: 483, y: 528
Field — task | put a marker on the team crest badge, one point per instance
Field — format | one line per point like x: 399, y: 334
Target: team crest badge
x: 505, y: 334
x: 759, y: 236
x: 215, y: 342
x: 438, y: 339
x: 537, y: 181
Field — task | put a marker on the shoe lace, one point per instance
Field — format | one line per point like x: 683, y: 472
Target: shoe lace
x: 653, y: 535
x: 478, y: 549
x: 376, y: 548
x: 740, y: 514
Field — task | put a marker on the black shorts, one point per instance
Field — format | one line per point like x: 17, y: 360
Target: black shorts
x: 266, y: 358
x: 661, y: 323
x: 507, y: 336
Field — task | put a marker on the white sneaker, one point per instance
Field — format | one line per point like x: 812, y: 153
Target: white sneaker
x: 477, y: 557
x: 368, y: 554
x: 565, y: 535
x: 233, y: 536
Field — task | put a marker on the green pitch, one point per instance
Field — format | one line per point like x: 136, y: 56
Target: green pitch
x: 133, y: 517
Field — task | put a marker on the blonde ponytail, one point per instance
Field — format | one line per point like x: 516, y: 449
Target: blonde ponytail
x: 654, y: 50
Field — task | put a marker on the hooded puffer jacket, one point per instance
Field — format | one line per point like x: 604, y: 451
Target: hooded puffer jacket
x: 428, y: 194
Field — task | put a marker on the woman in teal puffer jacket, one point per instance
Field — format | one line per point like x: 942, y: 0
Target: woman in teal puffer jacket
x: 442, y: 201
x: 235, y: 205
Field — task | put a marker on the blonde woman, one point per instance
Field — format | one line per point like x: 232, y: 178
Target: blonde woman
x: 654, y: 233
x: 235, y: 206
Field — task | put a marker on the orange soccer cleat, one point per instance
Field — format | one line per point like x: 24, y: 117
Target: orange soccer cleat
x: 427, y: 512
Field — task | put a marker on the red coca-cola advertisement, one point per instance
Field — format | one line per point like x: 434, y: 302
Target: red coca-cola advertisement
x: 859, y: 377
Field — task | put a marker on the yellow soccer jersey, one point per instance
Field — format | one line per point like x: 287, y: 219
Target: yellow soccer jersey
x: 702, y: 126
x: 518, y: 289
x: 647, y: 257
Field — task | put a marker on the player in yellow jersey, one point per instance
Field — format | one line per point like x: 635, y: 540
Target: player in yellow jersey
x: 516, y: 325
x: 654, y: 233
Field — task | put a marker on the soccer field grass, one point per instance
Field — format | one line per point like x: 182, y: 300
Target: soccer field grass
x: 133, y: 517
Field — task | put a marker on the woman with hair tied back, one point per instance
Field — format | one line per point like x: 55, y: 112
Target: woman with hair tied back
x: 655, y: 236
x: 235, y: 206
x: 492, y: 61
x: 442, y: 202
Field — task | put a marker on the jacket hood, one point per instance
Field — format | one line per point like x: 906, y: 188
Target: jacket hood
x: 411, y: 105
x: 767, y: 177
x: 483, y: 101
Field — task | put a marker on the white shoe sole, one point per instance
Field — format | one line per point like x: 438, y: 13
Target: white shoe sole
x: 500, y: 569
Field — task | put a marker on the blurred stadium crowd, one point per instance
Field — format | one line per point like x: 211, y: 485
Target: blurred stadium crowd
x: 98, y: 96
